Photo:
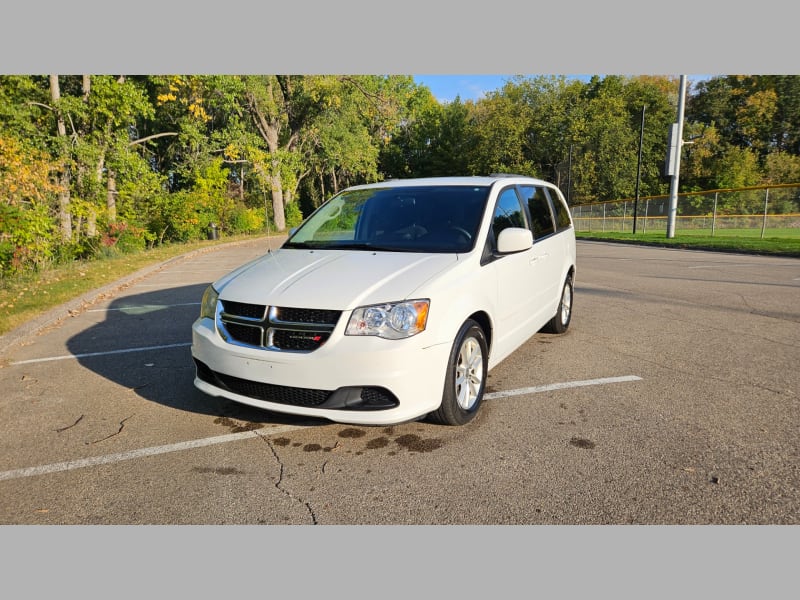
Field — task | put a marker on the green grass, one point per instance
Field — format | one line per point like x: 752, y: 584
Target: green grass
x: 785, y: 233
x: 782, y: 242
x: 25, y: 297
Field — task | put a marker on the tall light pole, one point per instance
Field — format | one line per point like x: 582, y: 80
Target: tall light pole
x: 638, y: 173
x: 675, y: 151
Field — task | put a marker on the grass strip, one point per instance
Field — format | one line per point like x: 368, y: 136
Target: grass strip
x: 776, y: 246
x: 25, y: 297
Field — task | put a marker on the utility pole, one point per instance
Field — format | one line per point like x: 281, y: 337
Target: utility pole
x: 675, y: 156
x: 638, y: 173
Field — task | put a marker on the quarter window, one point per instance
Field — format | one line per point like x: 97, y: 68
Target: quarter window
x: 539, y: 207
x: 563, y: 220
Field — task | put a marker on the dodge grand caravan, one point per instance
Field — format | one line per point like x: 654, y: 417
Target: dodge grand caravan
x: 392, y: 301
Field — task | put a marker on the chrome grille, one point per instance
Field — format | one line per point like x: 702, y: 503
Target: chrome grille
x: 303, y: 315
x: 280, y: 328
x: 248, y: 311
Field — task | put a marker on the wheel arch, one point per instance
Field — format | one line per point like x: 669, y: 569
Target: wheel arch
x: 483, y: 319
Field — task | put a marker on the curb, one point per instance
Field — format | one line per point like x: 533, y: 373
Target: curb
x: 77, y: 305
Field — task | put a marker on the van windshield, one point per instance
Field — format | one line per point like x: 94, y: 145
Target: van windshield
x: 400, y: 219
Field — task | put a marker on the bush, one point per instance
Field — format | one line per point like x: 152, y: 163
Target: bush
x: 125, y: 238
x: 293, y: 215
x: 82, y: 249
x: 27, y: 234
x: 246, y: 220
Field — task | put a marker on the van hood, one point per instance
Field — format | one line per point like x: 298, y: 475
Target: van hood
x: 331, y: 279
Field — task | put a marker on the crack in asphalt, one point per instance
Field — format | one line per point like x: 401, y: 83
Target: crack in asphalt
x: 60, y: 429
x: 279, y: 482
x: 121, y: 427
x: 325, y: 464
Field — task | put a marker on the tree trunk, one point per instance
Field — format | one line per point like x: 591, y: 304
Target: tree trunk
x: 270, y: 128
x: 91, y: 222
x: 278, y: 212
x: 111, y: 197
x: 64, y: 214
x: 55, y: 96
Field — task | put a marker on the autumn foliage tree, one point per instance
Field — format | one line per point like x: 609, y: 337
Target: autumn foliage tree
x: 27, y: 193
x: 101, y: 163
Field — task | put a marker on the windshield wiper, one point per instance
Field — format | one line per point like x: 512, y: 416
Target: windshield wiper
x: 302, y: 245
x: 370, y: 246
x: 314, y: 245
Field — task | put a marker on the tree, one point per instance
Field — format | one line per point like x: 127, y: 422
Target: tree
x: 761, y: 112
x: 331, y: 125
x: 432, y: 139
x: 609, y: 145
x: 782, y: 167
x: 500, y: 127
x: 64, y: 214
x: 27, y: 184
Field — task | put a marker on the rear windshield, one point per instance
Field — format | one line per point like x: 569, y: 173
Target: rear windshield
x: 405, y: 219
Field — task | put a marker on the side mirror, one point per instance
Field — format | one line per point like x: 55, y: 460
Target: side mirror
x: 514, y: 239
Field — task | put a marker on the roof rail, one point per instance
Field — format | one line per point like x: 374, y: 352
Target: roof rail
x: 506, y: 175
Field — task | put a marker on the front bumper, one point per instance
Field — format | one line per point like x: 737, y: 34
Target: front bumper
x: 350, y: 379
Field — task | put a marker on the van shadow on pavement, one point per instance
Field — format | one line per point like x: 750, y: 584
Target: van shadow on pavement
x: 144, y: 345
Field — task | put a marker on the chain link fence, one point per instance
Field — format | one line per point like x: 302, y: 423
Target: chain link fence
x: 767, y: 211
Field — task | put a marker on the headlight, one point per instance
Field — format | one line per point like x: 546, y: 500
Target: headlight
x: 392, y: 321
x: 208, y: 306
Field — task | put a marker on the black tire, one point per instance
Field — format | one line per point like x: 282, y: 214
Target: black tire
x: 465, y: 379
x: 560, y: 321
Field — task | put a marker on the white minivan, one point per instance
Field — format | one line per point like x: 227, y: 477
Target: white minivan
x: 392, y: 301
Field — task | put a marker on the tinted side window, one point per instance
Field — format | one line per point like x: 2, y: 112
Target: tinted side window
x: 508, y: 212
x: 539, y: 207
x: 562, y: 212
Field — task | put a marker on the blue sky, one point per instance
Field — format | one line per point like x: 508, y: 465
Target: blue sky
x: 445, y: 88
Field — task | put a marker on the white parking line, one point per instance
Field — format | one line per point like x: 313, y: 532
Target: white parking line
x: 234, y: 437
x: 561, y: 386
x: 200, y: 272
x: 68, y: 356
x: 719, y: 266
x: 153, y: 451
x: 165, y: 286
x: 143, y: 307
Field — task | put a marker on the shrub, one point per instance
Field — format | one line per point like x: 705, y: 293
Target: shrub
x: 246, y: 220
x: 124, y: 238
x: 293, y: 215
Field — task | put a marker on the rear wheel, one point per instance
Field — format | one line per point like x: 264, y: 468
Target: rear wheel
x: 466, y: 377
x: 560, y: 322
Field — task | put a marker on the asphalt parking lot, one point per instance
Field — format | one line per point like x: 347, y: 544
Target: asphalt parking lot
x: 673, y: 399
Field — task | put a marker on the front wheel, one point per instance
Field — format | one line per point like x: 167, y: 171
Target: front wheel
x: 560, y: 322
x: 465, y: 379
